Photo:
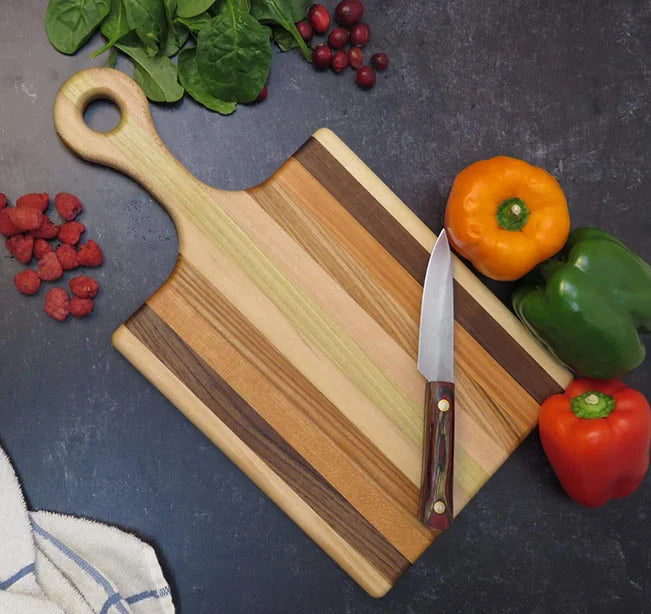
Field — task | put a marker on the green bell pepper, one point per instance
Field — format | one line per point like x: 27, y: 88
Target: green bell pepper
x: 589, y: 304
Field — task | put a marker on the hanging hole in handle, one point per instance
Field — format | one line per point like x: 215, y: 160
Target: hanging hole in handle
x: 102, y: 115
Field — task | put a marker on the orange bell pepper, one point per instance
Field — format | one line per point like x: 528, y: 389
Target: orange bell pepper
x: 506, y: 216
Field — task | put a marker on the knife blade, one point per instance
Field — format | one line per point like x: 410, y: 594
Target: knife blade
x: 436, y: 364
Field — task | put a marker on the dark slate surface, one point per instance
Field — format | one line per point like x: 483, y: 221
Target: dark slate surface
x: 561, y: 84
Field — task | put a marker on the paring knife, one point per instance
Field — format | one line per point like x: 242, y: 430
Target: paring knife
x: 436, y: 363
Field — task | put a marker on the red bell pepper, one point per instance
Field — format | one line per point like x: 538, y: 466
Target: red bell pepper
x: 596, y: 436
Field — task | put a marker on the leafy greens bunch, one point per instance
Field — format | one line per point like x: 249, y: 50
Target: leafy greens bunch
x: 229, y: 62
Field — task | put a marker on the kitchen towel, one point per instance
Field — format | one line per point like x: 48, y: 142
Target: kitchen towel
x: 56, y: 564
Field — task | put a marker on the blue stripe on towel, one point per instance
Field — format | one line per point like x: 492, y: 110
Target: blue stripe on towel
x: 111, y: 601
x: 113, y: 597
x: 25, y: 571
x: 158, y: 594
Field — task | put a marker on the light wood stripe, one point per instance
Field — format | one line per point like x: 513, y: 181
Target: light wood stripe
x: 292, y: 407
x: 178, y: 393
x: 253, y: 431
x: 414, y: 258
x: 308, y: 274
x: 468, y: 476
x: 345, y: 249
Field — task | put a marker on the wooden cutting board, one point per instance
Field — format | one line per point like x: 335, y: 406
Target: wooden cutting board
x: 288, y: 334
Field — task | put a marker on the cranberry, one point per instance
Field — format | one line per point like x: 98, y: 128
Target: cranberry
x: 321, y: 57
x: 365, y: 77
x: 262, y: 96
x: 339, y: 61
x: 380, y: 61
x: 359, y: 34
x: 305, y: 30
x: 319, y: 18
x: 349, y: 12
x: 338, y: 38
x: 355, y: 57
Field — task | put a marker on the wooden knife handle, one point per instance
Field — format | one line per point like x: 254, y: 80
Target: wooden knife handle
x: 438, y: 456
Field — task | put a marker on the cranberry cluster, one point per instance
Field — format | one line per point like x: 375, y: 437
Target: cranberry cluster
x: 350, y: 30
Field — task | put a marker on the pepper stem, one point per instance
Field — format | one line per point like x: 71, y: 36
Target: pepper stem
x: 593, y: 404
x: 512, y: 214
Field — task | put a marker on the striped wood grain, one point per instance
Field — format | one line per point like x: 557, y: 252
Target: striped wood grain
x: 288, y: 334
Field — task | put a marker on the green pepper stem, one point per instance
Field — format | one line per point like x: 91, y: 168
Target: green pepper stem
x: 593, y: 404
x: 512, y: 214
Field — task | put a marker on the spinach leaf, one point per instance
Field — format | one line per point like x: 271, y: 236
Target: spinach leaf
x: 234, y: 55
x: 216, y: 8
x: 148, y: 19
x: 194, y: 24
x: 115, y: 27
x: 282, y: 38
x: 70, y: 23
x: 113, y: 58
x: 291, y: 10
x: 285, y: 13
x: 157, y: 75
x: 192, y: 8
x: 177, y: 33
x: 192, y: 82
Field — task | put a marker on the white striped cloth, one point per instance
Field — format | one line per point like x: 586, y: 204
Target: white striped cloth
x: 56, y: 564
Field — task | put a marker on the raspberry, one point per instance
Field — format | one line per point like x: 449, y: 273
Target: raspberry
x: 34, y: 201
x: 3, y: 201
x: 28, y: 282
x: 68, y: 206
x: 90, y: 255
x: 49, y: 267
x: 67, y: 256
x: 48, y: 230
x: 25, y: 219
x: 41, y: 247
x: 81, y: 307
x: 7, y: 228
x: 57, y: 304
x: 22, y: 247
x: 71, y: 232
x: 84, y: 287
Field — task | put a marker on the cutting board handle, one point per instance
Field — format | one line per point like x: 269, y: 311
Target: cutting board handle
x: 133, y: 146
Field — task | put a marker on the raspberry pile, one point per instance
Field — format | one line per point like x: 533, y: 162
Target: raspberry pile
x: 29, y: 232
x: 350, y: 30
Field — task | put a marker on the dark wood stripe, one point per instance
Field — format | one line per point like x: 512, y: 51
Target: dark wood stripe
x: 363, y: 206
x: 257, y: 434
x: 335, y: 178
x: 504, y: 348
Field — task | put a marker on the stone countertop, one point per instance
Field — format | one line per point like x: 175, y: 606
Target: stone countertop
x: 562, y: 85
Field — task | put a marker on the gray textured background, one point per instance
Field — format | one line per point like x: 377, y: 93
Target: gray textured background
x: 562, y: 84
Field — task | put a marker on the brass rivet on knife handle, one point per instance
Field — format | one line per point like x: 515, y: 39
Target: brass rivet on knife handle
x: 438, y: 456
